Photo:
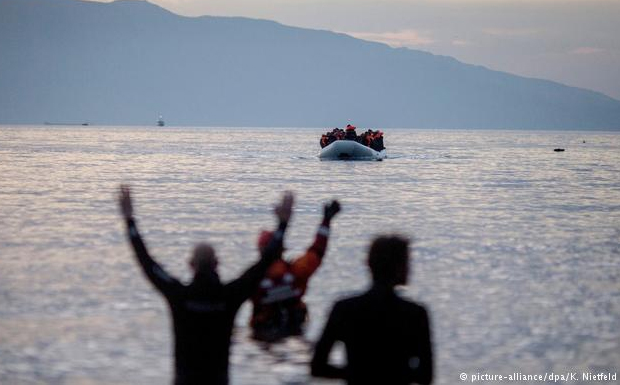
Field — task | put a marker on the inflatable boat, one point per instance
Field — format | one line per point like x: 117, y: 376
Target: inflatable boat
x: 350, y: 150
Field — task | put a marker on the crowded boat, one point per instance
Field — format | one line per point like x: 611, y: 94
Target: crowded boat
x: 369, y: 138
x: 347, y: 144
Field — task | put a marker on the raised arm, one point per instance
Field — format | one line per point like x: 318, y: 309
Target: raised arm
x: 244, y: 286
x: 304, y: 266
x: 166, y: 284
x: 322, y: 234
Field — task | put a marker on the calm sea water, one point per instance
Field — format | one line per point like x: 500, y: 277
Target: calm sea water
x: 517, y: 247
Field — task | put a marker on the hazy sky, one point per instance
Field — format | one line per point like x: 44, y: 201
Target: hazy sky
x: 575, y: 42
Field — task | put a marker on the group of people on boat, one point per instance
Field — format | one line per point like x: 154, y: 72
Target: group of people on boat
x: 387, y: 338
x: 369, y: 138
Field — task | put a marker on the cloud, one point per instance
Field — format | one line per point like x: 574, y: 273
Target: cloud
x: 586, y: 51
x: 402, y: 38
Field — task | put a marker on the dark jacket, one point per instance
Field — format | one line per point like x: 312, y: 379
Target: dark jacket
x: 377, y: 144
x: 203, y: 312
x: 387, y: 340
x: 350, y: 135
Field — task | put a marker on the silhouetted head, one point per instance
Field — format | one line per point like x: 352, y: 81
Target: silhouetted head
x: 203, y: 259
x: 263, y: 240
x: 388, y: 259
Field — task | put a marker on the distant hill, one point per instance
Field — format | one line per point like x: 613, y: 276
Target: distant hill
x: 129, y: 61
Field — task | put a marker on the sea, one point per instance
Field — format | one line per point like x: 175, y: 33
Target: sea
x: 515, y: 247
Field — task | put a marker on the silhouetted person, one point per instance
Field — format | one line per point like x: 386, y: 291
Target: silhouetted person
x: 278, y: 308
x: 203, y: 312
x: 387, y: 338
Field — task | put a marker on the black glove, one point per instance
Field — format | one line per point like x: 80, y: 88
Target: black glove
x: 330, y: 210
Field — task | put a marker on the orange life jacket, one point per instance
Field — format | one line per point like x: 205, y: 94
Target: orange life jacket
x: 284, y: 284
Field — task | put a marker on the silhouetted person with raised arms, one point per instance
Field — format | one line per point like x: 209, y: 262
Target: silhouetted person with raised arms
x: 386, y: 338
x: 278, y: 307
x: 203, y: 312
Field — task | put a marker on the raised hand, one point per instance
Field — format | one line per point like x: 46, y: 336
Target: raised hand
x: 331, y: 209
x: 124, y: 201
x: 284, y: 209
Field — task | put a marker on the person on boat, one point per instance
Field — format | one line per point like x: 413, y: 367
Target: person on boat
x: 350, y: 133
x: 341, y: 134
x: 337, y: 133
x: 323, y: 141
x: 203, y: 312
x: 377, y: 141
x: 278, y: 307
x: 367, y: 137
x: 331, y: 137
x: 362, y: 137
x: 386, y: 338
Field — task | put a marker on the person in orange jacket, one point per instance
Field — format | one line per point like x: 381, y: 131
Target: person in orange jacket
x: 323, y: 141
x: 377, y: 141
x: 278, y: 308
x: 367, y: 138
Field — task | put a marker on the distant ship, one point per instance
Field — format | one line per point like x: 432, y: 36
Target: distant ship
x: 160, y: 121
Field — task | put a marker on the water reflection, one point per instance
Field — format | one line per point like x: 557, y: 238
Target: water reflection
x: 516, y: 246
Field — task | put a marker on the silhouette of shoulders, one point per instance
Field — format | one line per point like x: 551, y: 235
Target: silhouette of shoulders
x: 386, y: 337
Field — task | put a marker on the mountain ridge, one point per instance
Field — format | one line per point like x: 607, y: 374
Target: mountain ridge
x: 128, y: 61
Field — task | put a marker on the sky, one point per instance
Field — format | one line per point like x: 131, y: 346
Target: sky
x: 574, y: 42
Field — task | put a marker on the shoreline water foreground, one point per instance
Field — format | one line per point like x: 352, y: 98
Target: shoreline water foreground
x: 515, y: 245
